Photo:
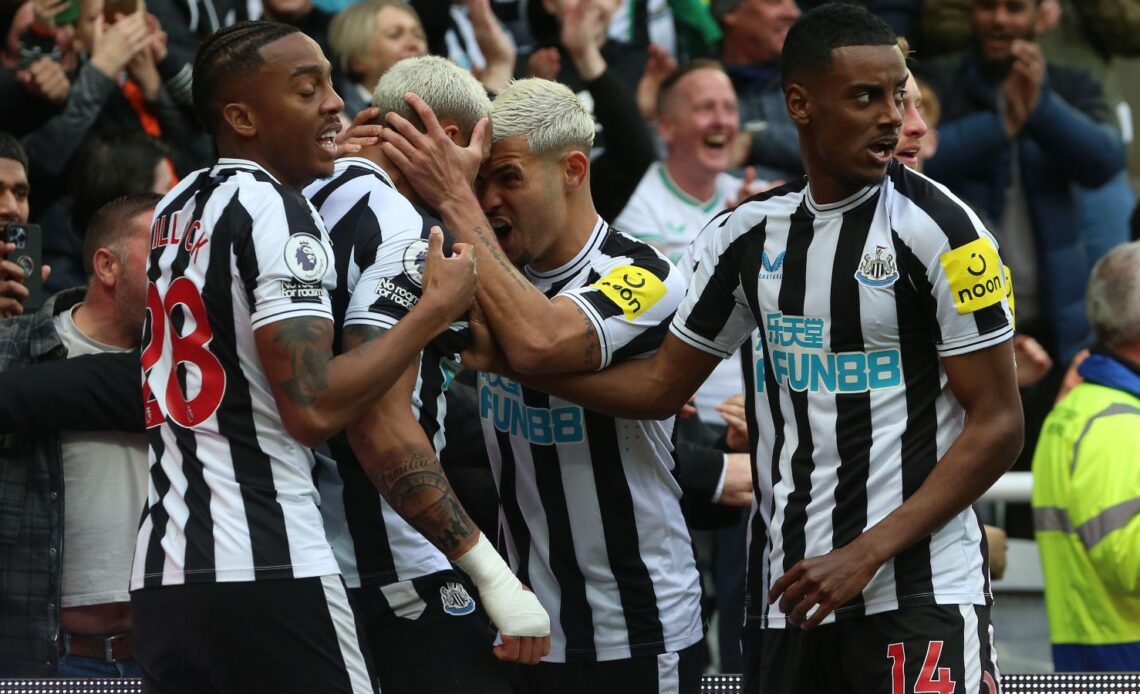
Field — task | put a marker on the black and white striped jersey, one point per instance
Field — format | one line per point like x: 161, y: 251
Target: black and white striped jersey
x: 856, y: 302
x: 231, y: 494
x: 379, y: 241
x: 590, y: 515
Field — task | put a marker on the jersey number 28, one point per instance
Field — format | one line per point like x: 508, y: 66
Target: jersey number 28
x: 190, y: 349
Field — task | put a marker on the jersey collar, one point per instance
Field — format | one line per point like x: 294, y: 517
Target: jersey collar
x: 835, y: 209
x: 344, y: 162
x: 245, y: 164
x: 579, y: 261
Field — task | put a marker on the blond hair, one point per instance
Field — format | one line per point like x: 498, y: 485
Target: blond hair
x: 448, y: 89
x: 352, y: 29
x: 546, y: 113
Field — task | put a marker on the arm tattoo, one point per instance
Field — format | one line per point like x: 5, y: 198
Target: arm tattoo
x: 492, y: 245
x: 589, y: 358
x: 419, y: 491
x: 308, y: 342
x: 356, y: 335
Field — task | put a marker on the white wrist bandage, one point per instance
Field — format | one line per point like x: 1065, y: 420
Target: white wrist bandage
x: 514, y: 610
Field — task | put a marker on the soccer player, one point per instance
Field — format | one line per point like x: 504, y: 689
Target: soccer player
x: 408, y: 598
x: 234, y: 585
x: 881, y: 394
x: 589, y: 509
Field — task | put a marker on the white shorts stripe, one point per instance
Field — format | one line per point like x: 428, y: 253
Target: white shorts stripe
x: 404, y: 600
x: 669, y: 673
x: 345, y: 625
x: 971, y: 649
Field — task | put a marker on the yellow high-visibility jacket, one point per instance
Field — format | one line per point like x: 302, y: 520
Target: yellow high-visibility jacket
x: 1086, y: 509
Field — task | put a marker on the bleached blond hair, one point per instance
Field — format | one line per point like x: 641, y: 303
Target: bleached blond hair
x: 546, y: 113
x: 448, y: 89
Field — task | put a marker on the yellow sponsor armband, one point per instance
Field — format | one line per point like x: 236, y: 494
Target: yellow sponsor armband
x: 1009, y: 295
x: 633, y: 289
x: 974, y: 272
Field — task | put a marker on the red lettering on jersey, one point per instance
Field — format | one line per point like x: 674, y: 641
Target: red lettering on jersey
x: 932, y: 679
x: 157, y: 230
x: 172, y: 238
x: 193, y: 241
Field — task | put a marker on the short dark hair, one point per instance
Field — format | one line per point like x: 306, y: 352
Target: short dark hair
x: 671, y: 80
x: 226, y: 55
x: 111, y: 166
x: 10, y: 148
x: 110, y: 227
x: 815, y: 35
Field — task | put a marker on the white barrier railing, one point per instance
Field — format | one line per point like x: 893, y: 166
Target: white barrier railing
x: 1012, y: 486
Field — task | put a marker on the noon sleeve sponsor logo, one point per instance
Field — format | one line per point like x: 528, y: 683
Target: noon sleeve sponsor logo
x: 800, y: 361
x: 974, y: 272
x: 633, y: 289
x: 306, y: 258
x: 501, y: 403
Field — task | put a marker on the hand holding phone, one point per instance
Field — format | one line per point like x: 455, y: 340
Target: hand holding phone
x: 21, y: 278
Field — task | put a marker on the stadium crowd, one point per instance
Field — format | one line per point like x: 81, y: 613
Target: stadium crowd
x: 414, y: 417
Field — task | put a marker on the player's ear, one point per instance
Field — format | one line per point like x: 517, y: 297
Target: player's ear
x: 240, y: 118
x: 575, y: 167
x: 797, y: 99
x: 452, y: 132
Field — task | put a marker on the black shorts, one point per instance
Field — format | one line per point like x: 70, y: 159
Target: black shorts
x: 428, y: 635
x: 277, y: 637
x: 934, y: 649
x: 668, y: 673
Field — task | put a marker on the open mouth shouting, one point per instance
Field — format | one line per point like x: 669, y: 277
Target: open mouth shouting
x: 883, y: 149
x: 326, y: 140
x: 502, y: 228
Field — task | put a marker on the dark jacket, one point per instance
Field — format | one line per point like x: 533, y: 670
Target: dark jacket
x: 1068, y: 139
x: 775, y: 149
x: 31, y: 511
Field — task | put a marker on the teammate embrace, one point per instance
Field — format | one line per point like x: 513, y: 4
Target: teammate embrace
x: 881, y: 394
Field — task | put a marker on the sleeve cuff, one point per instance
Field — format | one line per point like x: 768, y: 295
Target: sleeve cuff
x: 720, y: 482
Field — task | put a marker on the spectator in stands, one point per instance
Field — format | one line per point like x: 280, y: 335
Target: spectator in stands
x: 14, y: 208
x: 900, y: 14
x: 1086, y: 486
x: 312, y: 21
x: 477, y: 42
x: 116, y: 88
x: 684, y: 29
x: 754, y: 33
x: 186, y: 23
x: 698, y: 122
x: 109, y: 166
x: 80, y: 595
x: 1016, y: 134
x: 604, y: 74
x: 367, y: 38
x: 29, y: 75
